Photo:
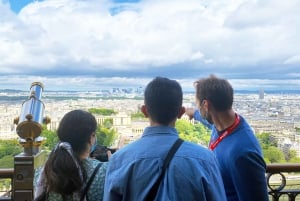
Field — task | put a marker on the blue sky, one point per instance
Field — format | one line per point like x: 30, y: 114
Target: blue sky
x: 17, y: 5
x: 97, y: 44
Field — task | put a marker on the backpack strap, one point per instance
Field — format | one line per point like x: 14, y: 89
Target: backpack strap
x: 87, y: 186
x: 153, y: 191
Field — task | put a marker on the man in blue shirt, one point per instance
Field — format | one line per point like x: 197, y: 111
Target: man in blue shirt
x: 232, y: 140
x: 192, y: 173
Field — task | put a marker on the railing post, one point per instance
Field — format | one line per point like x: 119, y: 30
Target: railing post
x: 24, y: 175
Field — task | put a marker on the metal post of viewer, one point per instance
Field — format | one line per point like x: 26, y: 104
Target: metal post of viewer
x: 29, y: 128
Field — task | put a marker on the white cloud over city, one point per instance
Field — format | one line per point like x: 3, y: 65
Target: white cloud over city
x: 89, y: 45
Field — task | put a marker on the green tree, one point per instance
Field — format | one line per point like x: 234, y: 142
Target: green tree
x: 7, y: 161
x: 204, y: 133
x: 105, y: 133
x: 102, y: 111
x: 273, y: 155
x: 138, y: 115
x: 51, y: 139
x: 108, y: 123
x: 193, y: 133
x: 266, y: 140
x: 105, y: 136
x: 292, y: 157
x: 10, y: 147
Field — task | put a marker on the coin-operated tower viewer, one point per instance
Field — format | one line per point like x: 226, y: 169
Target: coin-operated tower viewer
x: 29, y: 128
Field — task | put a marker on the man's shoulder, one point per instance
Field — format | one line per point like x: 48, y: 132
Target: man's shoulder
x: 192, y: 150
x: 194, y: 146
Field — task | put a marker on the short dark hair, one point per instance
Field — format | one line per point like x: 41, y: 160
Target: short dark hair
x: 217, y: 91
x: 163, y: 100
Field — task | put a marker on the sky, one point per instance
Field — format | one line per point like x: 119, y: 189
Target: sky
x: 90, y: 45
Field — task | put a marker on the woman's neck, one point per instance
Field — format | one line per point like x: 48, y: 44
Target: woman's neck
x: 84, y: 155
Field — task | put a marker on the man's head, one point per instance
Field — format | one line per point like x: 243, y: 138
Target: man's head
x: 163, y: 101
x: 215, y: 92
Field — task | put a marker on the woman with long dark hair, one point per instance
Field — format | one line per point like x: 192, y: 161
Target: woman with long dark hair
x: 69, y: 173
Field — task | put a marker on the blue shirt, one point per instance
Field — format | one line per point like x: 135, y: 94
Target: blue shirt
x: 192, y: 174
x: 241, y: 164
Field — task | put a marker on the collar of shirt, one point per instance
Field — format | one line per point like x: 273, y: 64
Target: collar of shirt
x: 158, y: 130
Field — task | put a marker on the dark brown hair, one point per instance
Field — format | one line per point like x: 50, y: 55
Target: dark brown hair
x: 217, y: 91
x: 61, y: 170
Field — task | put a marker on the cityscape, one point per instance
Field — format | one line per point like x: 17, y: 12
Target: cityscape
x: 98, y: 54
x: 274, y: 113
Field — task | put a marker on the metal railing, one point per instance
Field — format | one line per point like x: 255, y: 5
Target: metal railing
x: 283, y: 182
x: 7, y: 173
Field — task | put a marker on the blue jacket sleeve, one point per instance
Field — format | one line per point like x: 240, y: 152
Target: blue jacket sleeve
x: 198, y: 117
x: 249, y: 180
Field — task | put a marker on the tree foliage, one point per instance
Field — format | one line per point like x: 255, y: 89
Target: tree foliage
x: 193, y: 133
x: 102, y: 111
x: 138, y: 115
x: 7, y: 161
x: 266, y: 140
x: 292, y: 157
x: 51, y: 139
x: 105, y: 136
x: 108, y: 123
x: 10, y: 147
x: 272, y: 154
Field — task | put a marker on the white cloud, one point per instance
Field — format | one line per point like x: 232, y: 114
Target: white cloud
x: 81, y: 83
x: 71, y: 36
x: 264, y: 31
x: 293, y: 60
x: 267, y: 84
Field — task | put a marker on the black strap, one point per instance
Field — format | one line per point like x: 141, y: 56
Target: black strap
x: 87, y: 186
x: 153, y: 191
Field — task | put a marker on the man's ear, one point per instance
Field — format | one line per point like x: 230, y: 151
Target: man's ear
x: 144, y: 110
x: 181, y: 112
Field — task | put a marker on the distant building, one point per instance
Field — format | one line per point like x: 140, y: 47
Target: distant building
x: 261, y: 94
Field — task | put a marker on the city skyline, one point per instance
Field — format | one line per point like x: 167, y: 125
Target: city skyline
x: 100, y: 44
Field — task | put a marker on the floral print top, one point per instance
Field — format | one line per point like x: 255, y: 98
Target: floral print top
x: 96, y: 189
